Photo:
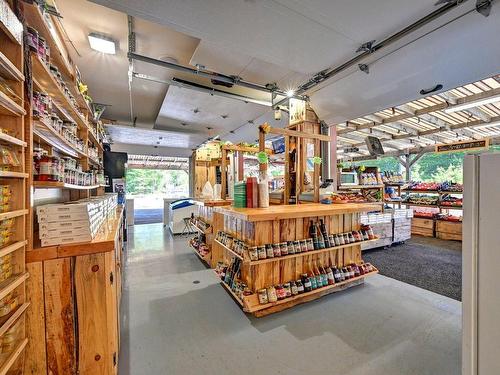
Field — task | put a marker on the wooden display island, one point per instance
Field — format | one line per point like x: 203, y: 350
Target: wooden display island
x: 75, y: 293
x: 277, y: 224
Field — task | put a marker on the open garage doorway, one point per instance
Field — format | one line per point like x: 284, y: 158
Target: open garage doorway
x: 153, y: 179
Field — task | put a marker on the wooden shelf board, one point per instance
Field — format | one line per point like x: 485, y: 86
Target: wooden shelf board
x: 212, y: 202
x: 228, y: 289
x: 10, y: 174
x: 206, y: 231
x: 203, y: 259
x: 11, y: 359
x: 451, y: 207
x: 45, y: 81
x: 12, y: 247
x: 11, y: 319
x: 291, y: 256
x: 10, y: 33
x: 231, y: 251
x: 12, y: 283
x: 298, y: 211
x: 11, y: 214
x: 61, y: 185
x: 12, y: 140
x: 298, y: 297
x: 8, y: 70
x: 9, y: 107
x: 347, y: 187
x: 421, y: 191
x: 421, y: 205
x: 102, y: 243
x: 35, y: 19
x: 48, y: 135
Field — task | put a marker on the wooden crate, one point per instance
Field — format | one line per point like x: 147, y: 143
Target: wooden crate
x: 422, y: 227
x: 447, y: 230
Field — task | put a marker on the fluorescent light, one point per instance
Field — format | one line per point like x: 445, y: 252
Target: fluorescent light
x: 102, y: 43
x: 290, y: 93
x: 475, y: 103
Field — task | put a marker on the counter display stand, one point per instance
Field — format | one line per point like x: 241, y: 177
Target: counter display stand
x: 208, y: 213
x: 277, y: 224
x: 75, y: 293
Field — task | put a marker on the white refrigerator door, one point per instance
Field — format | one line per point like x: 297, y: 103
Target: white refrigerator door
x: 481, y: 265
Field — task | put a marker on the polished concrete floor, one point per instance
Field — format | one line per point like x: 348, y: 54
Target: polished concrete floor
x: 177, y: 320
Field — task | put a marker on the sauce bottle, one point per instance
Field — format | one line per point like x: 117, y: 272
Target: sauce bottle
x: 300, y: 286
x: 306, y: 281
x: 329, y: 276
x: 326, y: 239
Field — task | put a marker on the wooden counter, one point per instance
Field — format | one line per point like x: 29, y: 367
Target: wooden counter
x: 103, y: 242
x: 298, y: 211
x: 75, y: 293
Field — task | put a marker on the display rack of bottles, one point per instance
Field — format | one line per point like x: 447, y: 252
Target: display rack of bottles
x: 293, y: 227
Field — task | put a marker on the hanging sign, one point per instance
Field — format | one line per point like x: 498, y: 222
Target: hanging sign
x: 464, y: 146
x: 348, y: 150
x: 297, y: 111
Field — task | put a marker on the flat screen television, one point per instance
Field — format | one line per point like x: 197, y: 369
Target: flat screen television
x: 279, y: 145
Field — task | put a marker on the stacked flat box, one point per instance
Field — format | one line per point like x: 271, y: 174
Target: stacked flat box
x: 73, y: 222
x: 402, y: 229
x: 382, y: 228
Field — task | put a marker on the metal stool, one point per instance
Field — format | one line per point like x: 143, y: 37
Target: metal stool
x: 188, y: 227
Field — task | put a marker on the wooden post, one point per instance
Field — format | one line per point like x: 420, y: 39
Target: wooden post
x: 286, y: 193
x: 262, y: 148
x: 223, y: 173
x: 333, y: 156
x: 317, y: 149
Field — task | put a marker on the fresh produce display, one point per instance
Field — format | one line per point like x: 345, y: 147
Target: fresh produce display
x: 452, y: 218
x: 365, y: 196
x: 449, y: 200
x: 451, y: 187
x: 368, y: 179
x: 422, y: 199
x: 424, y: 186
x: 395, y: 178
x: 423, y: 214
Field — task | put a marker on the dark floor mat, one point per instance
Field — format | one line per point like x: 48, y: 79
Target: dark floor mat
x: 148, y: 216
x: 430, y: 264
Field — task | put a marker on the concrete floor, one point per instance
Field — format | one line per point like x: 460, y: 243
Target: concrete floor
x: 177, y: 320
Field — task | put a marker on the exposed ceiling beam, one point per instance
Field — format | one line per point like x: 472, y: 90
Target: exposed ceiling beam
x: 419, y: 112
x: 414, y: 150
x: 478, y: 112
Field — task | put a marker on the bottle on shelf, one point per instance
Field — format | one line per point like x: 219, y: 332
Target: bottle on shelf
x: 324, y: 233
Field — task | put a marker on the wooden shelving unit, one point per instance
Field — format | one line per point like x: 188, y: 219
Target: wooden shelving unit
x: 62, y: 185
x: 261, y: 226
x: 291, y: 256
x: 15, y: 135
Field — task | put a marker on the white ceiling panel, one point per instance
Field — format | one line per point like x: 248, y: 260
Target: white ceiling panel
x: 180, y: 105
x: 459, y: 53
x: 152, y: 138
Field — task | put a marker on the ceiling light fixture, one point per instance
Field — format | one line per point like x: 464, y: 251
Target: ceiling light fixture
x: 475, y: 103
x: 290, y: 93
x: 102, y: 43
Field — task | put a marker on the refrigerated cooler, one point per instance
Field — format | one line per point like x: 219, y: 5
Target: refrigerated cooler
x: 481, y: 265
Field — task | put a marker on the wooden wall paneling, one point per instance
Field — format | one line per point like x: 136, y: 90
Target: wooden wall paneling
x: 113, y: 324
x: 263, y: 235
x: 276, y: 239
x: 59, y: 316
x: 90, y: 284
x: 217, y: 250
x: 286, y: 194
x: 36, y: 356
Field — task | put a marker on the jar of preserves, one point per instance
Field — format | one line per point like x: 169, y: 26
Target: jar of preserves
x: 300, y: 286
x: 269, y: 251
x: 293, y: 288
x: 296, y: 244
x: 262, y: 252
x: 284, y: 248
x: 272, y: 294
x: 276, y: 250
x: 262, y: 294
x: 291, y: 247
x: 280, y: 292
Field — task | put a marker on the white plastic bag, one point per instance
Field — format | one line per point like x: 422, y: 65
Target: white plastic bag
x: 208, y: 191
